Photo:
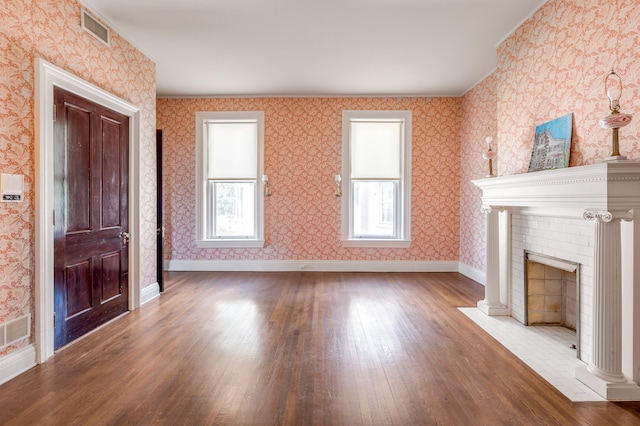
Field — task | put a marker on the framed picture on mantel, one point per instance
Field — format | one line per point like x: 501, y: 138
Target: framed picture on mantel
x: 552, y: 144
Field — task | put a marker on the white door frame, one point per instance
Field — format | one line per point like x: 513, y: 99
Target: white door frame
x: 48, y: 76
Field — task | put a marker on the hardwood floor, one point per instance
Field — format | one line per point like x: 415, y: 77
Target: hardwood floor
x: 303, y: 348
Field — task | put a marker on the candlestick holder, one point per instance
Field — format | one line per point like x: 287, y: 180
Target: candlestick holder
x: 265, y: 184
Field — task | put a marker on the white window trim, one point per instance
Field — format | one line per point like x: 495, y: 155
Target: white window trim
x: 201, y: 187
x: 404, y: 240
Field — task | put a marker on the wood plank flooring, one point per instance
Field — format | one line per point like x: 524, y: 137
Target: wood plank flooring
x: 298, y: 348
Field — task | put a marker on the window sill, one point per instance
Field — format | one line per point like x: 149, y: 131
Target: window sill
x: 230, y: 243
x: 377, y: 243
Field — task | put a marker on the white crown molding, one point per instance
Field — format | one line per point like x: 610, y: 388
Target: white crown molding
x: 312, y: 265
x: 16, y: 363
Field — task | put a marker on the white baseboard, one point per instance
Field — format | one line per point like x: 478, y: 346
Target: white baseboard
x: 16, y: 363
x: 473, y: 273
x: 149, y: 293
x: 312, y: 265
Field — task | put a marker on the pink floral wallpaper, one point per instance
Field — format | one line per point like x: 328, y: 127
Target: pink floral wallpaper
x: 51, y: 29
x: 556, y: 63
x: 478, y: 122
x: 303, y: 138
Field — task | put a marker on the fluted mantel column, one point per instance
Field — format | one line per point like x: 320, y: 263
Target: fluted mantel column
x: 491, y: 304
x: 606, y: 359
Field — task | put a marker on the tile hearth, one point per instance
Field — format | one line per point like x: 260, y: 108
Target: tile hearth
x: 545, y: 349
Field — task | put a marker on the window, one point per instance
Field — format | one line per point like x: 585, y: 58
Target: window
x: 229, y: 197
x: 376, y: 173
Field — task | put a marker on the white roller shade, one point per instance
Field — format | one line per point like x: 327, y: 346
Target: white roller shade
x: 232, y: 150
x: 376, y: 149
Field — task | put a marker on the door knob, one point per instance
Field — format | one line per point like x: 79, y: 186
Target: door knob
x: 125, y: 237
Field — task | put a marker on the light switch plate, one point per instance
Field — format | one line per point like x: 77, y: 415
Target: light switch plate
x: 12, y: 188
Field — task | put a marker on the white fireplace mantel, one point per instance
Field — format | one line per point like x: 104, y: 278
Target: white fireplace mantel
x: 604, y: 195
x: 609, y: 186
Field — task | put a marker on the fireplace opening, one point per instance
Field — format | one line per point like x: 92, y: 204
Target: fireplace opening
x: 552, y: 293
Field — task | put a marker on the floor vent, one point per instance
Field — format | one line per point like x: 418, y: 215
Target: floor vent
x: 95, y: 28
x: 14, y: 330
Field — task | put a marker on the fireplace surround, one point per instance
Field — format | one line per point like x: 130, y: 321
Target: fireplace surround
x: 584, y: 215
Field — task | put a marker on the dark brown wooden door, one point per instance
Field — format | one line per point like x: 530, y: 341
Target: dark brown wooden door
x: 91, y: 224
x: 159, y: 212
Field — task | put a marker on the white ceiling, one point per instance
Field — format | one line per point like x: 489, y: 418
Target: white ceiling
x: 316, y: 47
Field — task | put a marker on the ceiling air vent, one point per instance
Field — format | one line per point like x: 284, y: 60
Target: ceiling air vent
x: 95, y: 28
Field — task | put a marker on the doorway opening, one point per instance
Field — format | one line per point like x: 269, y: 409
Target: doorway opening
x: 49, y: 76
